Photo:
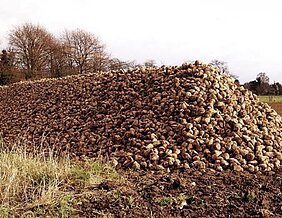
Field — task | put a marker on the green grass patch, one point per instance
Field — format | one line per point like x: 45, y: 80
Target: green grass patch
x: 270, y: 99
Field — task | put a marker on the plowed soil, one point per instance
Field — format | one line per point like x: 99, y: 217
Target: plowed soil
x: 277, y: 107
x: 189, y: 194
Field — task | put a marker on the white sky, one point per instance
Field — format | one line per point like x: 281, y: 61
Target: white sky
x: 247, y: 34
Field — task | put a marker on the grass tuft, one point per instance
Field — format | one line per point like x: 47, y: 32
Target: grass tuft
x: 35, y: 185
x: 28, y: 180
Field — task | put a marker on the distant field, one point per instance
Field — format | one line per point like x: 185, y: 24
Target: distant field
x: 271, y: 99
x: 274, y: 101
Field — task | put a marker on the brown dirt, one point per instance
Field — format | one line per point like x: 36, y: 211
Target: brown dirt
x: 206, y: 195
x: 277, y: 107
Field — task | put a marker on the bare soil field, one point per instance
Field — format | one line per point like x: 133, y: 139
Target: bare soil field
x: 189, y: 194
x: 277, y: 107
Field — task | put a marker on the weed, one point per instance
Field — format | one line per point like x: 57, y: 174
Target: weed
x: 182, y: 197
x: 4, y: 212
x: 64, y: 206
x: 250, y: 197
x: 130, y: 200
x: 165, y: 201
x: 104, y: 170
x: 80, y: 174
x: 117, y: 195
x: 179, y: 200
x: 39, y: 211
x: 94, y: 172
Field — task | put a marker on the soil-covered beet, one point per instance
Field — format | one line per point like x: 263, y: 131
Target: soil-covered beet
x: 191, y: 135
x: 189, y: 116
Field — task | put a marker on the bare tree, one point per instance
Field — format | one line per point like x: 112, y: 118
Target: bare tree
x: 150, y: 63
x: 262, y: 78
x: 263, y: 83
x: 58, y: 60
x: 117, y: 64
x: 31, y: 46
x: 85, y: 52
x: 223, y: 67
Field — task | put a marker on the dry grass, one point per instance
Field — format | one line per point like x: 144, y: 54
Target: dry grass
x: 28, y: 181
x: 32, y: 185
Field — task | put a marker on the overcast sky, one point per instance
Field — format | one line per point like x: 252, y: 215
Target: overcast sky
x: 247, y: 34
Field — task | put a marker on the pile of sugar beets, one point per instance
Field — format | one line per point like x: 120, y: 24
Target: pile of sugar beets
x: 190, y: 116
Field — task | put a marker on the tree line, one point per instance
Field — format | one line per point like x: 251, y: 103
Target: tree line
x: 34, y: 53
x: 260, y: 86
